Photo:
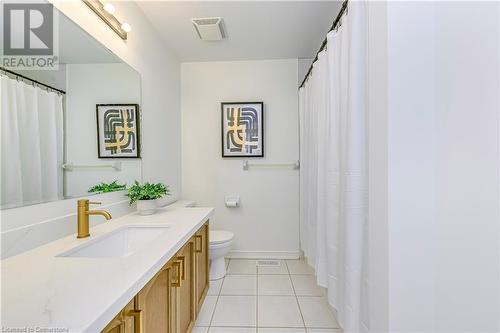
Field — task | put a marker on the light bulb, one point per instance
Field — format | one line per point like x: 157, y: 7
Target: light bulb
x: 109, y: 7
x: 126, y: 27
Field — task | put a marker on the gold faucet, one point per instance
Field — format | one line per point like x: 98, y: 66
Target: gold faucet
x: 83, y: 216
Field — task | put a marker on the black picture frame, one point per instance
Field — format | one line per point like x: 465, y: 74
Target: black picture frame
x: 138, y: 129
x: 223, y: 134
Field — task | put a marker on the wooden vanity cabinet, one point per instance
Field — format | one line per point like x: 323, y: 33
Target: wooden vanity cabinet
x: 170, y: 301
x: 184, y: 297
x: 202, y: 265
x: 125, y: 322
x: 155, y: 303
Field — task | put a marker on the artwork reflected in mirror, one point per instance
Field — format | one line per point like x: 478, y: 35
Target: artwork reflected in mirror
x: 49, y: 143
x: 118, y: 130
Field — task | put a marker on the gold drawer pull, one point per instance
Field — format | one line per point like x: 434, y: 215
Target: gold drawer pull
x: 182, y: 259
x: 137, y: 314
x: 196, y: 244
x: 177, y: 282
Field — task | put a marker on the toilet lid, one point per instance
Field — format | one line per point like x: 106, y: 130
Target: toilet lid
x: 220, y: 236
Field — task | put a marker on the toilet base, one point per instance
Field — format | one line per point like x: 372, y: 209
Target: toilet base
x: 218, y: 268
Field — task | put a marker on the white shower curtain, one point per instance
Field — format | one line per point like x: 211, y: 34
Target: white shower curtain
x: 334, y: 177
x: 32, y: 143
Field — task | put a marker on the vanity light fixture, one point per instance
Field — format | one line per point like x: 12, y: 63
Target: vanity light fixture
x: 126, y: 27
x: 108, y: 6
x: 106, y: 13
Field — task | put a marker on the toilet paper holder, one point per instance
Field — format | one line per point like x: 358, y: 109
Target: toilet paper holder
x: 232, y: 201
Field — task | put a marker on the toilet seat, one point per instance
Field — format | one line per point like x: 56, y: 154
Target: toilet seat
x: 217, y: 237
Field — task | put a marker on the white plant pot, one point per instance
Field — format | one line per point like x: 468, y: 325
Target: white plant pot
x: 146, y: 207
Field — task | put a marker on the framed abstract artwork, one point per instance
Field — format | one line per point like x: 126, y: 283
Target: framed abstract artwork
x: 242, y: 129
x: 118, y: 131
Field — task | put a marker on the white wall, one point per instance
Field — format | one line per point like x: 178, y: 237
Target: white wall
x: 88, y: 85
x: 443, y: 157
x: 160, y: 72
x: 378, y: 168
x: 267, y: 222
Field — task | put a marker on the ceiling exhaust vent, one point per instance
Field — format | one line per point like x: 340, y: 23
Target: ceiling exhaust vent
x: 209, y: 28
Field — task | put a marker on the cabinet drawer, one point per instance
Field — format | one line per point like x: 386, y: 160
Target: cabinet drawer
x: 154, y: 302
x: 201, y: 242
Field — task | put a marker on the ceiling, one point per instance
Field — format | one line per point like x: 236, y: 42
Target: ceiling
x: 255, y: 29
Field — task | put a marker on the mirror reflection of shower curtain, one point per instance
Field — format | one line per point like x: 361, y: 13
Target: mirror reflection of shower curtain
x: 32, y: 144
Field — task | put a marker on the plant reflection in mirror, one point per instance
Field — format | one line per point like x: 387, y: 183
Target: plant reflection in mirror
x: 105, y: 187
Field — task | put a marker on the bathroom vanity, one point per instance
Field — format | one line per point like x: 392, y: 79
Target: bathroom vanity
x: 171, y: 300
x: 133, y: 274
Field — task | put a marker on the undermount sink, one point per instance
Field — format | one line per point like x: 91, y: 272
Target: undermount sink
x: 117, y: 244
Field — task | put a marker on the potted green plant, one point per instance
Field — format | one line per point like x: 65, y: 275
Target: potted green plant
x: 145, y: 195
x: 105, y: 187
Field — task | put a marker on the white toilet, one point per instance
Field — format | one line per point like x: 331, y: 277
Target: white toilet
x: 219, y: 245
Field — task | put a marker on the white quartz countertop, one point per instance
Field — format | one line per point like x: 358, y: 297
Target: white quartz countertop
x: 70, y: 294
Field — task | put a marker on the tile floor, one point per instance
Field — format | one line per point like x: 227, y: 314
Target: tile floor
x: 251, y: 299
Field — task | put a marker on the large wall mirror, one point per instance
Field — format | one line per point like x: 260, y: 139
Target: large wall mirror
x: 51, y: 120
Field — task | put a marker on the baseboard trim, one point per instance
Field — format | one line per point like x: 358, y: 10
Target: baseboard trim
x: 263, y: 255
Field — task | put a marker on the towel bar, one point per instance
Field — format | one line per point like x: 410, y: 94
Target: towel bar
x: 70, y: 167
x: 247, y: 165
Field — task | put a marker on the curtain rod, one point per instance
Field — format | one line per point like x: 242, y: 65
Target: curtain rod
x: 323, y: 45
x: 31, y: 80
